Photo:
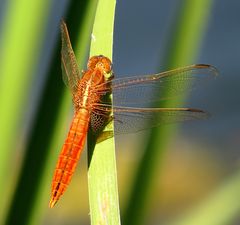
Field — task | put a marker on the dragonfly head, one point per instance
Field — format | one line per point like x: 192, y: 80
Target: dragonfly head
x: 100, y: 63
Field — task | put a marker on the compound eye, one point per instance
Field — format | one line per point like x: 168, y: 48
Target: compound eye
x: 92, y: 62
x: 107, y: 64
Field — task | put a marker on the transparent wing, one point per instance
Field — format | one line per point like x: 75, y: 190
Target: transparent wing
x: 129, y: 120
x: 70, y: 69
x: 134, y: 91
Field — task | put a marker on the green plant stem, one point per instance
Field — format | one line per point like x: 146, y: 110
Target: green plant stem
x: 182, y: 49
x: 102, y: 176
x: 43, y: 145
x: 19, y: 54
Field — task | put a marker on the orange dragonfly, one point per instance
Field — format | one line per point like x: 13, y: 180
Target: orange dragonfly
x: 92, y: 108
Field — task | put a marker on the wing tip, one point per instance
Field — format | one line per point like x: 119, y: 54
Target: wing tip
x: 202, y: 112
x: 63, y: 26
x: 211, y: 68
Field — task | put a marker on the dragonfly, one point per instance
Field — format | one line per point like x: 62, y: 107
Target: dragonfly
x: 91, y: 90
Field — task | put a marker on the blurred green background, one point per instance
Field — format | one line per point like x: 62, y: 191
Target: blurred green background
x: 196, y: 180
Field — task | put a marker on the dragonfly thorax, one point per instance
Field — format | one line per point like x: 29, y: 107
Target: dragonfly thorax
x: 85, y: 96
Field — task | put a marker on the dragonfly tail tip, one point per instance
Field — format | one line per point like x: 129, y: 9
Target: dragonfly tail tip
x: 52, y: 202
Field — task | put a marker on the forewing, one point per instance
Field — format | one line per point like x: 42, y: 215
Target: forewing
x: 136, y: 91
x: 70, y: 69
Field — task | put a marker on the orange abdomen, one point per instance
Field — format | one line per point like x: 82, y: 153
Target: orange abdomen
x: 70, y: 154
